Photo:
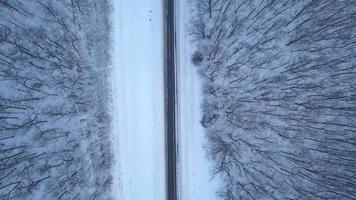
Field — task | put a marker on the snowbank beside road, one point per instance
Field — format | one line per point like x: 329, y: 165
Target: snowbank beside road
x: 138, y: 100
x: 194, y: 175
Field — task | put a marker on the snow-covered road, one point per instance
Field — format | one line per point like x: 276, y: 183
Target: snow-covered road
x: 138, y: 106
x: 138, y: 124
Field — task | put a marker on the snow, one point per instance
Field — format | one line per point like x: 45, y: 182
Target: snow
x: 195, y: 179
x: 138, y: 112
x: 138, y: 124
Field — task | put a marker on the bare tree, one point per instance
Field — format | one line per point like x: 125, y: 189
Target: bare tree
x: 279, y: 106
x: 54, y: 141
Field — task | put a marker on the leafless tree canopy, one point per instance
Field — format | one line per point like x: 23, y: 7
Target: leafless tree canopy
x: 53, y: 99
x: 279, y: 96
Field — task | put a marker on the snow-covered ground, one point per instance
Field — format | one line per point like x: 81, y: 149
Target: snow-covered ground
x: 195, y: 181
x: 138, y: 129
x: 138, y: 136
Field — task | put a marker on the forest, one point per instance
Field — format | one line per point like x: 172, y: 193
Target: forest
x: 54, y: 119
x: 279, y: 104
x: 279, y: 97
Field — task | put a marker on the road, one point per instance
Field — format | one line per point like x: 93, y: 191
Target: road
x: 170, y: 98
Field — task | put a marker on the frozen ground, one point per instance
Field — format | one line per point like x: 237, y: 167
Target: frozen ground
x: 195, y: 181
x: 138, y: 100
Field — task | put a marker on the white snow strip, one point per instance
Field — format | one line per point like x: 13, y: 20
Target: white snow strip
x: 138, y: 136
x: 195, y: 180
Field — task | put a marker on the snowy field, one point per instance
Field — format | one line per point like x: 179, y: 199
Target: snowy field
x: 138, y: 100
x: 195, y: 180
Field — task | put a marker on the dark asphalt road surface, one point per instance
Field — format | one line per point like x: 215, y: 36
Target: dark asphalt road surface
x: 170, y: 99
